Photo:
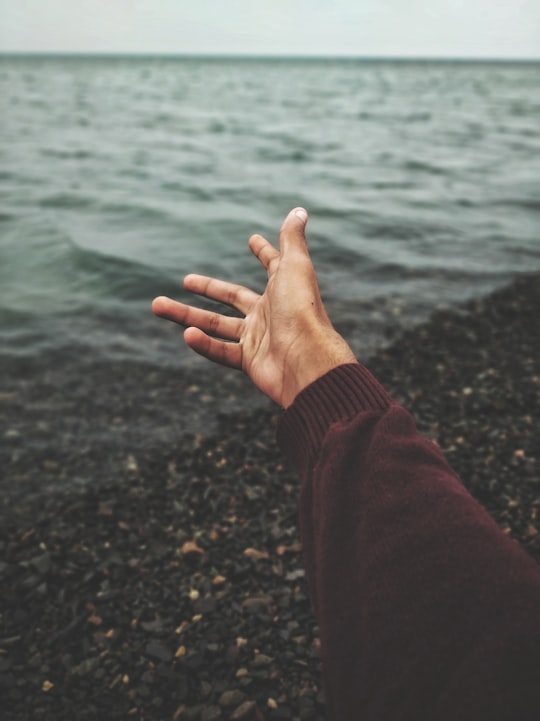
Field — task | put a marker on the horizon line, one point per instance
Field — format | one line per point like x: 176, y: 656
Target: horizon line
x: 262, y: 56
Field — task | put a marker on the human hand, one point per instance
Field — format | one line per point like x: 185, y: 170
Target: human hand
x: 285, y: 340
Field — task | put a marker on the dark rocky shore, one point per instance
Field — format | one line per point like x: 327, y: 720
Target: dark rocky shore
x: 152, y: 573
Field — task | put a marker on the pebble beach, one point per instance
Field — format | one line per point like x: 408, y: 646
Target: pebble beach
x: 151, y: 571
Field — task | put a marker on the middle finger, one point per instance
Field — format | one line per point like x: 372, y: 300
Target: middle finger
x: 215, y: 324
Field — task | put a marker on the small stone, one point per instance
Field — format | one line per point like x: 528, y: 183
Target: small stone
x: 254, y: 604
x: 47, y: 686
x: 254, y: 553
x: 262, y: 660
x: 151, y: 626
x: 31, y: 581
x: 211, y: 713
x: 158, y: 651
x: 234, y: 697
x: 42, y: 563
x: 272, y: 703
x: 295, y: 575
x: 105, y: 509
x: 131, y: 465
x: 190, y: 548
x: 192, y: 713
x: 85, y: 667
x: 243, y: 711
x: 205, y: 689
x: 116, y: 680
x: 295, y: 548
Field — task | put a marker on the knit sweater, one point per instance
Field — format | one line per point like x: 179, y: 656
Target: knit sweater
x: 427, y: 610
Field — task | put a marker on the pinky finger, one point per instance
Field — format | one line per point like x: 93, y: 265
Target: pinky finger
x: 219, y: 351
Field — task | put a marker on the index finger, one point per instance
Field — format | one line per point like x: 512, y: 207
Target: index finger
x: 231, y: 294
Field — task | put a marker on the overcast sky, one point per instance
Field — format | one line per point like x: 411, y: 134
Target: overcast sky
x: 435, y: 28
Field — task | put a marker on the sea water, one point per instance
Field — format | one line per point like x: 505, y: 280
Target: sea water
x: 120, y: 175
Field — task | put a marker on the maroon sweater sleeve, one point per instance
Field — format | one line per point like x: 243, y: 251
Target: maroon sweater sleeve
x: 427, y: 611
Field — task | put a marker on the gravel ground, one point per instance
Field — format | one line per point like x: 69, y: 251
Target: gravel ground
x: 152, y: 573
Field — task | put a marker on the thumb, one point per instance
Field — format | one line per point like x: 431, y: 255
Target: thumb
x: 292, y: 234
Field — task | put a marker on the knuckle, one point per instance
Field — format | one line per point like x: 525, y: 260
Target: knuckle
x: 213, y: 323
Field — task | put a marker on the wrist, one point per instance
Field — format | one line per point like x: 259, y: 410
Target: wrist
x: 331, y: 352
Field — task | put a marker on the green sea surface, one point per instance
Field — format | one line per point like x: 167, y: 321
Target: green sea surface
x: 120, y: 175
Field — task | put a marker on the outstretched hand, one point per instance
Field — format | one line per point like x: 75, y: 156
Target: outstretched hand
x: 285, y: 340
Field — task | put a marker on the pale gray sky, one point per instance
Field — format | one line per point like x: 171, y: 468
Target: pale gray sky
x: 435, y: 28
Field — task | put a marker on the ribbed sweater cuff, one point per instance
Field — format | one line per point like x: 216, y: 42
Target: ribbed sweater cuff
x: 339, y: 395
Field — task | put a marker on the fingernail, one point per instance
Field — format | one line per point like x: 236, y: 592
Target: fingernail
x: 301, y: 213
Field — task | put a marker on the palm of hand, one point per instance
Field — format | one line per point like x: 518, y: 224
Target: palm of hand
x: 269, y: 340
x: 285, y: 340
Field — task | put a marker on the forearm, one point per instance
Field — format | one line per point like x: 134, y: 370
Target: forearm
x: 414, y: 586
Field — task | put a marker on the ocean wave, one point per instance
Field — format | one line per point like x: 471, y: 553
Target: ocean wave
x: 67, y: 200
x: 524, y: 203
x: 67, y: 154
x: 72, y: 276
x: 418, y: 166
